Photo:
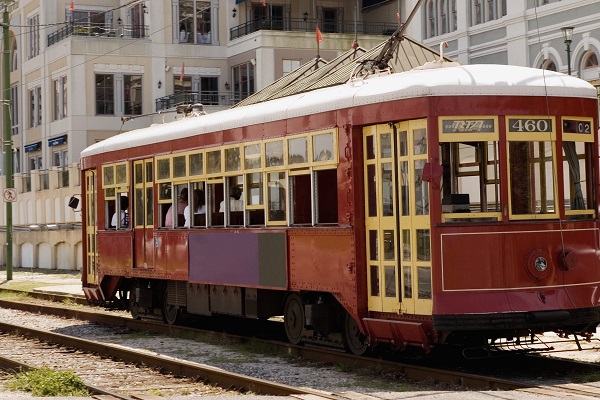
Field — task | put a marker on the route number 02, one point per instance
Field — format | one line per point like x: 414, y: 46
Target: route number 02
x: 530, y: 125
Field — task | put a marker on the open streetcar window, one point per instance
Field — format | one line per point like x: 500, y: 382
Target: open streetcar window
x: 115, y: 181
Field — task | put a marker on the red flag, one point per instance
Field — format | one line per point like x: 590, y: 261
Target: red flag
x: 182, y: 72
x: 319, y: 36
x: 72, y: 6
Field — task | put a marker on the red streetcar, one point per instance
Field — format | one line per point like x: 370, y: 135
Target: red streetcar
x: 447, y: 204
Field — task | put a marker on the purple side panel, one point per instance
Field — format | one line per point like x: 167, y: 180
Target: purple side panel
x: 224, y: 259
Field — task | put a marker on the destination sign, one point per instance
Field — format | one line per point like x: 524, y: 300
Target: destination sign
x: 468, y: 125
x: 577, y: 126
x: 530, y: 125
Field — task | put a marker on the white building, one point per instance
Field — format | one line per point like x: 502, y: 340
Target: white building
x: 80, y: 68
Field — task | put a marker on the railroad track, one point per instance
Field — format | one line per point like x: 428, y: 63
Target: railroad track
x: 416, y: 373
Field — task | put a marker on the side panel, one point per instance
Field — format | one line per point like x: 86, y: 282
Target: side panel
x: 324, y: 260
x: 250, y: 259
x: 497, y: 272
x: 114, y: 253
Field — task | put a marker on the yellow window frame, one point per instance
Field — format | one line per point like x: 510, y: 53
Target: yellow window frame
x: 334, y: 134
x: 225, y: 149
x: 115, y: 183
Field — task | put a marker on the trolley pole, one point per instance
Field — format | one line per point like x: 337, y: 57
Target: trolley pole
x: 8, y: 159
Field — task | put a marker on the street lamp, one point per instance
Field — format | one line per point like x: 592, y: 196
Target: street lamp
x: 568, y: 35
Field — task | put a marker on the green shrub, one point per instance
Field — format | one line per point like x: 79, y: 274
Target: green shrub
x: 46, y: 382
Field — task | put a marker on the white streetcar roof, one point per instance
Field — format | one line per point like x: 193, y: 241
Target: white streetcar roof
x: 467, y: 80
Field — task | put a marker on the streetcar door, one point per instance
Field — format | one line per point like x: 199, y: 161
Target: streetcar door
x: 381, y: 221
x: 91, y: 228
x: 414, y: 240
x: 143, y: 214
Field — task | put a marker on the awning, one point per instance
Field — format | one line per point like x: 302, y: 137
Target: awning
x: 240, y: 1
x: 33, y: 147
x: 57, y: 140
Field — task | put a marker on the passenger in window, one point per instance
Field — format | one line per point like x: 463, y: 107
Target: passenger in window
x: 235, y: 201
x: 197, y: 203
x: 182, y: 203
x: 124, y: 214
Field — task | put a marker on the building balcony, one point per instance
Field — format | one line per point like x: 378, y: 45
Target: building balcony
x: 98, y: 30
x: 206, y: 98
x: 310, y: 25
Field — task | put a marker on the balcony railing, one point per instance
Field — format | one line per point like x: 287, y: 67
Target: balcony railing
x: 207, y: 98
x: 310, y: 25
x: 98, y: 30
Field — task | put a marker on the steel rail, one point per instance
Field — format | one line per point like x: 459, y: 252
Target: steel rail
x: 413, y: 372
x: 212, y: 375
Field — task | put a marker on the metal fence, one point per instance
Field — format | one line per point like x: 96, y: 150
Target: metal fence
x: 310, y: 25
x: 98, y: 30
x: 206, y: 98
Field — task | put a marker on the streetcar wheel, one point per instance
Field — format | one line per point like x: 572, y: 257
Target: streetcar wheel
x: 293, y: 318
x: 134, y: 307
x: 170, y: 312
x: 354, y: 340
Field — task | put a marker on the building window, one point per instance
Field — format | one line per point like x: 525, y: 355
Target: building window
x: 549, y: 65
x: 35, y: 163
x: 14, y: 56
x: 137, y: 20
x: 194, y: 22
x: 33, y: 35
x: 89, y: 18
x: 17, y: 161
x: 59, y: 98
x: 105, y: 94
x: 243, y: 80
x: 35, y: 106
x: 589, y: 66
x: 487, y: 10
x: 14, y: 109
x: 60, y: 158
x: 290, y: 65
x: 133, y: 94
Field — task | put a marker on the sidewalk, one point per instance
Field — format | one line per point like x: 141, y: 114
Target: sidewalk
x: 43, y: 280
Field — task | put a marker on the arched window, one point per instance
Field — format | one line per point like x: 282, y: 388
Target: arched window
x: 14, y: 59
x: 549, y: 65
x: 443, y: 16
x: 589, y: 66
x: 431, y: 20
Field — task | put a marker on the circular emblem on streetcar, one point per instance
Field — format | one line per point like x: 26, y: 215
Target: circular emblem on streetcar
x: 541, y: 264
x: 538, y: 264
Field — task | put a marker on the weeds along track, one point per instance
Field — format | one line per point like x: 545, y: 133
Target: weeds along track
x: 99, y: 371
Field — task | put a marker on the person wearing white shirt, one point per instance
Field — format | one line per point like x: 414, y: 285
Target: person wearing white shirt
x: 235, y: 201
x: 198, y: 203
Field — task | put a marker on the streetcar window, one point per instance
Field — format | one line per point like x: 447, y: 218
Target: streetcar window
x: 276, y: 197
x: 233, y: 205
x: 214, y: 198
x: 471, y: 179
x: 297, y: 151
x: 254, y: 199
x: 179, y: 167
x: 213, y: 162
x: 576, y: 164
x: 195, y: 213
x: 322, y: 147
x: 274, y: 153
x: 531, y: 177
x: 326, y: 196
x: 252, y: 156
x: 195, y: 166
x: 232, y: 159
x: 424, y: 282
x: 119, y: 218
x: 300, y: 193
